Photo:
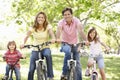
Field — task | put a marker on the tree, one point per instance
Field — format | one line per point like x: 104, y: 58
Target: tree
x: 98, y: 13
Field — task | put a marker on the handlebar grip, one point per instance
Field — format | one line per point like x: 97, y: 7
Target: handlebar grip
x: 27, y: 46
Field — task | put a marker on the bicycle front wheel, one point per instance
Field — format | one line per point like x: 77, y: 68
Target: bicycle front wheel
x: 94, y: 76
x: 71, y: 74
x: 41, y: 71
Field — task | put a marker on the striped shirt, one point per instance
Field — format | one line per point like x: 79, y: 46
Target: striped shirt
x: 12, y: 58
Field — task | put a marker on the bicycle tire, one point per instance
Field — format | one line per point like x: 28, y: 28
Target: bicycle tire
x: 72, y: 74
x: 41, y: 71
x: 94, y: 76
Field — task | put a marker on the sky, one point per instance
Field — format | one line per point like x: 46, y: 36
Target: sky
x: 10, y: 32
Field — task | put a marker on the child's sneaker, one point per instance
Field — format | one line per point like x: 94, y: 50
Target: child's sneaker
x: 87, y: 72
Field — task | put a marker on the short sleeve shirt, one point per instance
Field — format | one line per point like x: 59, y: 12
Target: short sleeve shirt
x: 69, y: 32
x: 95, y: 48
x: 40, y: 36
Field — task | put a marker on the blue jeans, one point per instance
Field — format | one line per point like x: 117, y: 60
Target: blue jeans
x: 34, y: 56
x: 16, y: 70
x: 67, y: 50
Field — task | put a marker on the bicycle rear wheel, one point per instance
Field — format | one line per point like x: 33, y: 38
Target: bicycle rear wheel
x: 71, y: 74
x: 41, y: 71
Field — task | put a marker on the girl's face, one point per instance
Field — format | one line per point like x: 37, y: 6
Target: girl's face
x: 40, y: 19
x: 12, y: 46
x: 92, y: 34
x: 67, y: 16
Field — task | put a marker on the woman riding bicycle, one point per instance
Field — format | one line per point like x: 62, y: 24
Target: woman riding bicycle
x: 40, y: 31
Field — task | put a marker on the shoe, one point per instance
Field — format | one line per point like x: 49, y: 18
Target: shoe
x: 87, y: 72
x: 63, y: 77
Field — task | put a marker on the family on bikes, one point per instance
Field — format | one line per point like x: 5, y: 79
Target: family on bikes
x: 68, y: 30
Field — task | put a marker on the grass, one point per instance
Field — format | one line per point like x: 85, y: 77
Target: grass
x: 112, y: 68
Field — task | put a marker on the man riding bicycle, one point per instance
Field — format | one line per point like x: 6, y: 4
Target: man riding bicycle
x: 69, y: 27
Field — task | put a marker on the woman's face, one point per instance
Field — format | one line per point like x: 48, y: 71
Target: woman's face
x: 67, y: 16
x: 92, y: 34
x: 12, y: 46
x: 40, y: 19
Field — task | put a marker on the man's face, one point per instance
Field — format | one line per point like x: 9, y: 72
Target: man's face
x: 67, y: 16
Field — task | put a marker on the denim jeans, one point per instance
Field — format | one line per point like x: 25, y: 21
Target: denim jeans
x: 16, y: 70
x: 35, y: 56
x: 67, y: 50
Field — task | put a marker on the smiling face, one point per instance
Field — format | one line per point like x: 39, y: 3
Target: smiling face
x: 41, y: 19
x: 67, y: 16
x: 92, y: 34
x: 11, y: 45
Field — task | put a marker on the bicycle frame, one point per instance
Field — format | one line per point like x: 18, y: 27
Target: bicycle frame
x: 72, y: 63
x: 40, y: 65
x: 12, y: 69
x: 94, y: 75
x: 41, y: 68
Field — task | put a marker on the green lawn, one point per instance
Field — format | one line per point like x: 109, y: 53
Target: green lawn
x: 112, y: 67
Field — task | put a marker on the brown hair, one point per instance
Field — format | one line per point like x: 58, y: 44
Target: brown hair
x: 67, y: 9
x: 96, y: 35
x: 11, y: 42
x: 36, y: 24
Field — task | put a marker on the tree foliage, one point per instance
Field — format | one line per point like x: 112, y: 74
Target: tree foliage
x: 90, y: 12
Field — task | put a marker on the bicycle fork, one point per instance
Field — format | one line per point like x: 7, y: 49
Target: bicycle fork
x: 94, y: 75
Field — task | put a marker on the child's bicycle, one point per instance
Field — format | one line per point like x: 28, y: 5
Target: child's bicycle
x: 72, y: 63
x: 94, y: 73
x: 40, y: 65
x: 12, y: 67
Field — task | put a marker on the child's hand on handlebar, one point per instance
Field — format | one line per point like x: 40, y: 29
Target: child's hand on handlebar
x: 87, y: 43
x: 107, y: 49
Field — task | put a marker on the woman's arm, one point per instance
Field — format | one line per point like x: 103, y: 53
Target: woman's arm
x: 26, y: 38
x: 58, y: 33
x: 52, y: 34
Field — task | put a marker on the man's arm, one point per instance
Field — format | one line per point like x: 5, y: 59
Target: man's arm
x: 81, y: 32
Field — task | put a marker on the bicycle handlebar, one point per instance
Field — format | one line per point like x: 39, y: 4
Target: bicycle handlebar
x: 78, y: 44
x: 39, y: 45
